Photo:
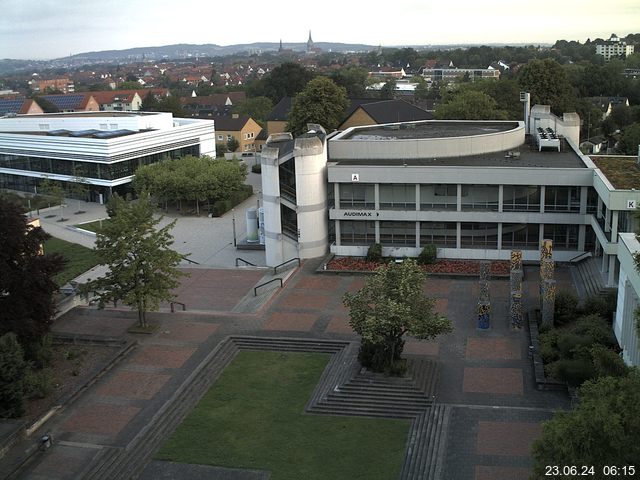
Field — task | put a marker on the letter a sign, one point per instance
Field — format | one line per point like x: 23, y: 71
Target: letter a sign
x: 355, y: 177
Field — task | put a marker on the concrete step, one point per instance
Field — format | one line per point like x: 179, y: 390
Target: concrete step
x: 358, y: 411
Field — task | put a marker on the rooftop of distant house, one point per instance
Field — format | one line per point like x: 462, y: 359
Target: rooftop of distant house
x: 622, y: 172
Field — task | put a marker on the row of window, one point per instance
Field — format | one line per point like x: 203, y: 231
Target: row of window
x: 515, y: 198
x: 444, y: 234
x: 102, y: 171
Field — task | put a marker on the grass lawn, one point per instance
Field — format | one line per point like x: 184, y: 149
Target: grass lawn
x: 253, y: 417
x: 79, y: 258
x: 93, y: 226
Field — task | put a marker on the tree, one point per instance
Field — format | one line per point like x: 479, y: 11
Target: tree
x: 601, y: 431
x: 322, y: 102
x: 469, y: 105
x: 548, y: 84
x: 285, y: 80
x: 13, y: 369
x: 390, y: 305
x: 257, y: 108
x: 26, y: 285
x: 388, y: 90
x: 54, y: 189
x: 149, y: 103
x: 142, y: 266
x: 353, y: 79
x: 79, y: 186
x: 630, y: 140
x: 171, y: 104
x: 233, y: 144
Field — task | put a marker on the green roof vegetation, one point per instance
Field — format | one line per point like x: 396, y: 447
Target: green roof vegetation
x: 622, y: 172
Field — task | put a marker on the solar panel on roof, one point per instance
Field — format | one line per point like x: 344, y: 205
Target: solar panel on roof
x: 65, y: 102
x: 10, y: 106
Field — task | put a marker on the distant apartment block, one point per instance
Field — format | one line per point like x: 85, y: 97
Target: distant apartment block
x: 613, y: 47
x: 451, y: 74
x: 64, y: 85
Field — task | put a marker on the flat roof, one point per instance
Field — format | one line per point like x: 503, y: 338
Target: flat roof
x: 529, y: 157
x: 429, y: 129
x: 103, y: 113
x: 622, y: 172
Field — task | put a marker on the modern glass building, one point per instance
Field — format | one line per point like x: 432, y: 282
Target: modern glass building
x: 102, y: 148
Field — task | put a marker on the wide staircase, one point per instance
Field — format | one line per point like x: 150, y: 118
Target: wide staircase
x: 591, y: 282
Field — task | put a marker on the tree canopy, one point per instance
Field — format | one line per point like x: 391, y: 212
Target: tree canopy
x: 602, y: 430
x: 391, y: 304
x: 26, y: 279
x: 286, y: 80
x: 190, y: 178
x: 142, y: 266
x: 548, y: 84
x: 630, y: 140
x: 257, y: 108
x: 353, y: 79
x: 322, y: 102
x: 469, y: 105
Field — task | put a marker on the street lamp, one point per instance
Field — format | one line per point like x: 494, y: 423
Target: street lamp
x: 233, y: 224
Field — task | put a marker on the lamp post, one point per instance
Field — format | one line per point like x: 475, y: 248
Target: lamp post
x: 233, y: 225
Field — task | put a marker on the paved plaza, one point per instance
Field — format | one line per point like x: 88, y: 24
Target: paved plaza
x: 485, y: 377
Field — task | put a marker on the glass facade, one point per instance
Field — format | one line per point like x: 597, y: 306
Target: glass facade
x: 565, y: 237
x: 479, y: 235
x: 398, y: 196
x: 398, y: 234
x: 520, y: 235
x: 441, y: 234
x: 439, y: 197
x: 521, y: 198
x: 480, y: 197
x: 357, y: 195
x: 353, y: 232
x: 562, y: 199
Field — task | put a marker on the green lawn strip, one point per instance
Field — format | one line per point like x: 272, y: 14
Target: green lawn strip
x: 253, y: 417
x: 79, y: 258
x: 93, y: 226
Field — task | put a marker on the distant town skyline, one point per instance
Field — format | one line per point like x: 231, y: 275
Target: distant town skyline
x: 46, y: 29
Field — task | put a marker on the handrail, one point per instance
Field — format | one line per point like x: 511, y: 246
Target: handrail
x: 184, y: 307
x: 583, y: 254
x: 275, y: 269
x: 184, y: 257
x: 243, y: 260
x: 255, y: 290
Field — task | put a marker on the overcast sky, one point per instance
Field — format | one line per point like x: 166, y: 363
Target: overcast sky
x: 44, y: 29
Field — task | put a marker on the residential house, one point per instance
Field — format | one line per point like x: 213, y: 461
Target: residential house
x: 607, y: 104
x: 277, y: 118
x: 62, y: 84
x: 22, y: 106
x: 373, y: 112
x: 219, y: 104
x: 75, y: 102
x: 118, y: 100
x: 241, y: 127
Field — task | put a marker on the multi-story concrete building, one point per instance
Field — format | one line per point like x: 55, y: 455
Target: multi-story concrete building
x: 625, y: 322
x: 613, y: 47
x: 63, y: 85
x: 475, y: 189
x: 104, y: 148
x: 451, y: 74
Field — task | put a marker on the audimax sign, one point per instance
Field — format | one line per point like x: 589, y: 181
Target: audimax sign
x: 356, y: 213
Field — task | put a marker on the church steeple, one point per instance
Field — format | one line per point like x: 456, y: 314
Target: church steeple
x: 280, y: 48
x: 309, y: 43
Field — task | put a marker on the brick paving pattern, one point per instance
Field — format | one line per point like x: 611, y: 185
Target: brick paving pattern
x: 480, y: 348
x: 493, y: 380
x: 128, y: 384
x: 297, y: 322
x: 166, y: 356
x: 100, y: 419
x: 506, y: 438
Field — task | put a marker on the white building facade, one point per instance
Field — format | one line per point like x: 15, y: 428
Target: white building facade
x: 625, y: 323
x: 104, y: 148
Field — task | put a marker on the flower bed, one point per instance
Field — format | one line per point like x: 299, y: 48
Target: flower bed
x: 441, y: 266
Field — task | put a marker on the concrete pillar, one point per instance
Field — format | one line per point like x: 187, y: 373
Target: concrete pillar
x: 500, y: 202
x: 459, y: 198
x: 582, y: 234
x: 584, y: 192
x: 417, y: 234
x: 336, y: 195
x: 500, y: 236
x: 377, y: 231
x: 542, y: 195
x: 614, y: 226
x: 337, y: 230
x: 376, y: 195
x: 607, y: 221
x: 458, y: 235
x: 417, y: 197
x: 611, y: 278
x: 605, y: 262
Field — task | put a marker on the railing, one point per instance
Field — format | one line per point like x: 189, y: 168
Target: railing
x: 580, y: 257
x: 172, y: 305
x: 184, y: 257
x: 238, y: 259
x: 275, y: 269
x: 255, y: 290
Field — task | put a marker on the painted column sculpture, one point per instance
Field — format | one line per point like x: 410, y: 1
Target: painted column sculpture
x: 515, y: 282
x: 484, y: 303
x: 547, y: 283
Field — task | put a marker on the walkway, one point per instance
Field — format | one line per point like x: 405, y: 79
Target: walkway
x: 485, y: 377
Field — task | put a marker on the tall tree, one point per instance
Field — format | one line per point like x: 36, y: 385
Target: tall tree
x: 388, y: 90
x: 142, y: 266
x: 601, y: 431
x: 548, y: 84
x: 630, y: 140
x: 391, y: 304
x: 13, y: 369
x: 469, y: 105
x: 26, y: 284
x: 257, y: 108
x: 285, y: 80
x: 322, y: 102
x: 353, y: 79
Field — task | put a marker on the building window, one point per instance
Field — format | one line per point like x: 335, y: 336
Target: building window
x: 356, y: 195
x: 562, y: 199
x: 565, y: 237
x: 441, y: 234
x: 520, y: 235
x: 221, y: 137
x: 592, y: 201
x: 480, y: 197
x: 398, y: 234
x: 354, y: 232
x: 439, y: 197
x: 479, y: 235
x: 398, y: 196
x: 521, y: 198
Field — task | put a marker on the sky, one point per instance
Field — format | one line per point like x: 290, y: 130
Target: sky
x: 45, y: 29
